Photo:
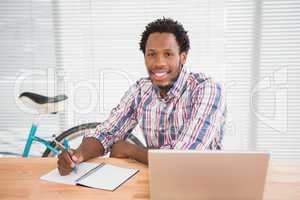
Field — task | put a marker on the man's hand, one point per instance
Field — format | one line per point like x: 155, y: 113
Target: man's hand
x: 89, y: 148
x: 67, y: 161
x: 122, y: 149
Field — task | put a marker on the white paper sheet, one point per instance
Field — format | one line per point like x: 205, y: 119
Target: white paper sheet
x: 54, y: 175
x: 107, y: 177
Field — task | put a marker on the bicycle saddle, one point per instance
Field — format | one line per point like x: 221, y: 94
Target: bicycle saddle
x: 42, y: 103
x: 40, y: 99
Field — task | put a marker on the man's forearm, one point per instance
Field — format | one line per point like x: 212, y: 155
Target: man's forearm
x: 90, y: 148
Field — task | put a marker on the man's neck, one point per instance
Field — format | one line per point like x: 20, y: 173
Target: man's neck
x: 162, y: 93
x: 164, y: 90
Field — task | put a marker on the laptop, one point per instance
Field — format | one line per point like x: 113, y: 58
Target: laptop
x: 209, y: 175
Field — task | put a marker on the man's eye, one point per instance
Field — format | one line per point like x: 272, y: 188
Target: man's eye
x: 150, y: 54
x: 168, y: 54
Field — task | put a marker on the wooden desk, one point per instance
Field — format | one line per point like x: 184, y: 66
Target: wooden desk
x: 20, y: 180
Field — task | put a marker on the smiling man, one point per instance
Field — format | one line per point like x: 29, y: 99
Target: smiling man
x: 174, y: 109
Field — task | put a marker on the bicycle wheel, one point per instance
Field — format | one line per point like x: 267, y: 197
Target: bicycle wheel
x: 75, y: 134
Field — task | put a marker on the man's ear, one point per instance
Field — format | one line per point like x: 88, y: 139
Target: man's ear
x: 183, y: 57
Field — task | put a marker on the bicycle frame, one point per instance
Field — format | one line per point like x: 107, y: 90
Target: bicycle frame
x: 32, y: 137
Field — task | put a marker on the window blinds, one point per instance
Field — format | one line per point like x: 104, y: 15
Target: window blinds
x: 262, y: 63
x: 27, y: 63
x: 278, y: 107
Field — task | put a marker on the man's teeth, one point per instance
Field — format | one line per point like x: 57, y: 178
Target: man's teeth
x: 160, y: 74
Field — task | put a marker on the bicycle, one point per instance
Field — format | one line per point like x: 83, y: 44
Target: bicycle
x: 53, y: 105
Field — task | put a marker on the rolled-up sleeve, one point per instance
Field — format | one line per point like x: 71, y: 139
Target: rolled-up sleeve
x: 121, y: 121
x: 207, y: 118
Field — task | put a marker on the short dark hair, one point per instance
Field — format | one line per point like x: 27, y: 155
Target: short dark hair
x: 166, y: 25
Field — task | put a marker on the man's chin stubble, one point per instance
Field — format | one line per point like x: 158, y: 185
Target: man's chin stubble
x: 165, y: 87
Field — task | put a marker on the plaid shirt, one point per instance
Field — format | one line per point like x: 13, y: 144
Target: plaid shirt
x: 191, y: 116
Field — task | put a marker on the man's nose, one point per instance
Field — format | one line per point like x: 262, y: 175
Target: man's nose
x: 160, y: 61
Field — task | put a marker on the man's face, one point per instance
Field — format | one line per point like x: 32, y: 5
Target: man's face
x: 162, y: 59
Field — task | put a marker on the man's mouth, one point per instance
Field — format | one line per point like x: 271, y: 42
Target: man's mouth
x: 160, y: 75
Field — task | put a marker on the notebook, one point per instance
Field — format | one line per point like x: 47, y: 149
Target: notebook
x: 102, y: 176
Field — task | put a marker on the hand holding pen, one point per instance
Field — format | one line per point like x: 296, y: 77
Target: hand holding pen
x: 68, y: 160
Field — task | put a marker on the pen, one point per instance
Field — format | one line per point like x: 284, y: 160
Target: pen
x: 67, y: 149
